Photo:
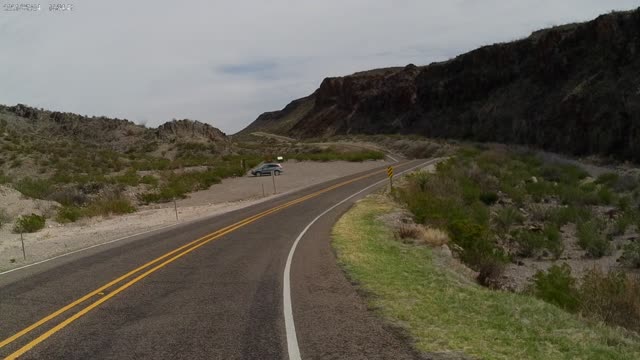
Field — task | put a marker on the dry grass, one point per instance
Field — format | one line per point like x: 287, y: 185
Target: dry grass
x: 422, y: 235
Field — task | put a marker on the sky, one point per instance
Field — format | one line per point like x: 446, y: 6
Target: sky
x: 226, y: 62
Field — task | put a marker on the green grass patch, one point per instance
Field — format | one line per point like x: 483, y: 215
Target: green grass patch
x: 445, y: 312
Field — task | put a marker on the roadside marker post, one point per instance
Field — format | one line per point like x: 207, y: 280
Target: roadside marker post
x: 175, y: 207
x: 273, y: 177
x: 263, y: 195
x: 24, y: 254
x: 390, y: 174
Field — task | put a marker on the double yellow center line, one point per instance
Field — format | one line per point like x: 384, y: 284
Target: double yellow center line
x: 159, y: 263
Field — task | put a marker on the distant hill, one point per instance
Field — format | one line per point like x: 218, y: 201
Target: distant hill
x: 116, y: 134
x: 35, y: 142
x: 572, y: 89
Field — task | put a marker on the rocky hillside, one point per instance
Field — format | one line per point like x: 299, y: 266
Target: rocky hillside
x: 41, y: 143
x: 572, y: 89
x: 115, y: 134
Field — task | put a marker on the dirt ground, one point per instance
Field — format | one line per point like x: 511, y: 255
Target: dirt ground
x: 231, y: 194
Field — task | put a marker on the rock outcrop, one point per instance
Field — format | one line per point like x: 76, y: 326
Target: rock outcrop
x: 572, y: 89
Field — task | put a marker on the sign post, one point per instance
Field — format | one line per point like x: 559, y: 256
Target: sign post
x: 175, y: 207
x: 390, y: 174
x: 24, y: 254
x: 273, y: 177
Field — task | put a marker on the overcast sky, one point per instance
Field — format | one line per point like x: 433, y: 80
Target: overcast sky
x: 225, y: 62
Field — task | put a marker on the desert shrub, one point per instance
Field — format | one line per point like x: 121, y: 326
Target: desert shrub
x: 178, y: 185
x: 34, y: 188
x: 110, y: 205
x: 515, y: 193
x: 539, y: 212
x: 129, y: 178
x: 477, y: 248
x: 532, y: 242
x: 605, y: 196
x: 407, y: 231
x: 489, y: 198
x: 434, y: 237
x: 67, y: 214
x: 149, y: 180
x: 628, y: 218
x: 4, y: 218
x: 613, y: 298
x: 489, y: 272
x: 507, y: 217
x: 539, y: 190
x: 421, y: 180
x: 608, y: 179
x: 554, y: 240
x: 631, y: 255
x: 591, y: 238
x: 557, y: 286
x: 421, y: 234
x: 566, y: 174
x: 577, y: 196
x: 69, y: 197
x: 569, y: 214
x: 29, y: 223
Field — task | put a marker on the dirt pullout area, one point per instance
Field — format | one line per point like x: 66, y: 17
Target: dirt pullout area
x: 231, y: 194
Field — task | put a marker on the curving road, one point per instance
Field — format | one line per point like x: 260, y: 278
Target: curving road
x: 257, y: 283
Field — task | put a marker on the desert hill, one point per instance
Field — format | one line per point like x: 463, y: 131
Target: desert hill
x: 573, y: 89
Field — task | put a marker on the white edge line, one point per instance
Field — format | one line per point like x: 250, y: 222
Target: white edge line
x: 86, y: 248
x: 392, y: 158
x: 292, y: 339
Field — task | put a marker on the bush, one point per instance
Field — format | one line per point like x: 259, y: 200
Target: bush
x: 149, y: 180
x: 29, y: 223
x: 408, y: 231
x: 129, y: 178
x: 489, y: 198
x: 34, y: 188
x: 570, y: 214
x: 558, y: 287
x: 532, y: 242
x: 111, y: 205
x: 631, y: 255
x: 608, y: 179
x: 613, y: 298
x: 507, y: 217
x: 69, y: 197
x: 67, y: 214
x: 478, y: 250
x: 591, y: 238
x: 623, y: 222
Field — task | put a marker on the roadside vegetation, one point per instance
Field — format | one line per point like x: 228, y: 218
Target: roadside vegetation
x: 428, y: 294
x: 501, y: 207
x: 89, y: 179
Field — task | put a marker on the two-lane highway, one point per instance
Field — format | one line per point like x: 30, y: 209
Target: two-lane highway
x: 212, y: 289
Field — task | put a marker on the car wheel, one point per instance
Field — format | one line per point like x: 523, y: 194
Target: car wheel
x: 258, y: 174
x: 276, y: 172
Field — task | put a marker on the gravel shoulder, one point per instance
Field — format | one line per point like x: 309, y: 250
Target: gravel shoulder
x: 232, y: 194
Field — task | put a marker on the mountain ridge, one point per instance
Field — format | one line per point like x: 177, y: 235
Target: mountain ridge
x: 572, y: 89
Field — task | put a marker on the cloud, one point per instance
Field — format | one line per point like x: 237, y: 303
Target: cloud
x: 261, y: 69
x: 226, y: 62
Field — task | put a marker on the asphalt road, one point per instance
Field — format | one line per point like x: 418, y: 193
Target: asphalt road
x: 212, y: 289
